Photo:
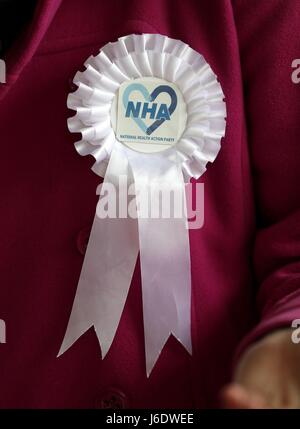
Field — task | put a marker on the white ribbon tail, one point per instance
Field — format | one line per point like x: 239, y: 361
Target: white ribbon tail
x: 106, y: 272
x: 164, y: 255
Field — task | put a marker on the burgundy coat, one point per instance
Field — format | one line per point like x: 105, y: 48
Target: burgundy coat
x: 247, y: 251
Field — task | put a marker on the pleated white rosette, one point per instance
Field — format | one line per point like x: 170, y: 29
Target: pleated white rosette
x: 115, y: 243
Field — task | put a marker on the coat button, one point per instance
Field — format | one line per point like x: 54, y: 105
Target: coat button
x: 83, y: 239
x: 111, y: 399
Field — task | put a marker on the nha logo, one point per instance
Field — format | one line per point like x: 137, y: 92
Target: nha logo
x: 148, y: 108
x: 135, y: 111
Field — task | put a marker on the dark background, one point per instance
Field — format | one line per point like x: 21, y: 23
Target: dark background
x: 14, y: 14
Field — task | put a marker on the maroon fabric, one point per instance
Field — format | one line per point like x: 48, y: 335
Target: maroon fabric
x: 250, y: 240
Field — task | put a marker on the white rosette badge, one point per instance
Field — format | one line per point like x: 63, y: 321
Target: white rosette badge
x: 150, y: 110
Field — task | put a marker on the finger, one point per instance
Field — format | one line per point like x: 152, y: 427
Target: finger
x: 235, y: 396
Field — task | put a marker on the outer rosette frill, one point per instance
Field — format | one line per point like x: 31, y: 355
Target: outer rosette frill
x: 147, y: 55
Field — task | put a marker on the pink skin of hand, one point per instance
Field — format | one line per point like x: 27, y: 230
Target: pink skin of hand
x: 267, y: 375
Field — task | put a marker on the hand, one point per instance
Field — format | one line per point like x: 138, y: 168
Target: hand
x: 267, y: 375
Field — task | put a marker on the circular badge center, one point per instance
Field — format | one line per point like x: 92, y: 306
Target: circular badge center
x: 148, y: 114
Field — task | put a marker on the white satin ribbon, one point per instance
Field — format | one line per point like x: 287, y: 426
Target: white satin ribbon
x: 164, y: 254
x: 163, y: 243
x: 165, y: 257
x: 106, y: 272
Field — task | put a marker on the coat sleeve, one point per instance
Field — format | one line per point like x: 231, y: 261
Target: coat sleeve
x: 268, y: 32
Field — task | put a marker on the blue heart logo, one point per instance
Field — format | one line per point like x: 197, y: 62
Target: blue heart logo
x: 150, y: 98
